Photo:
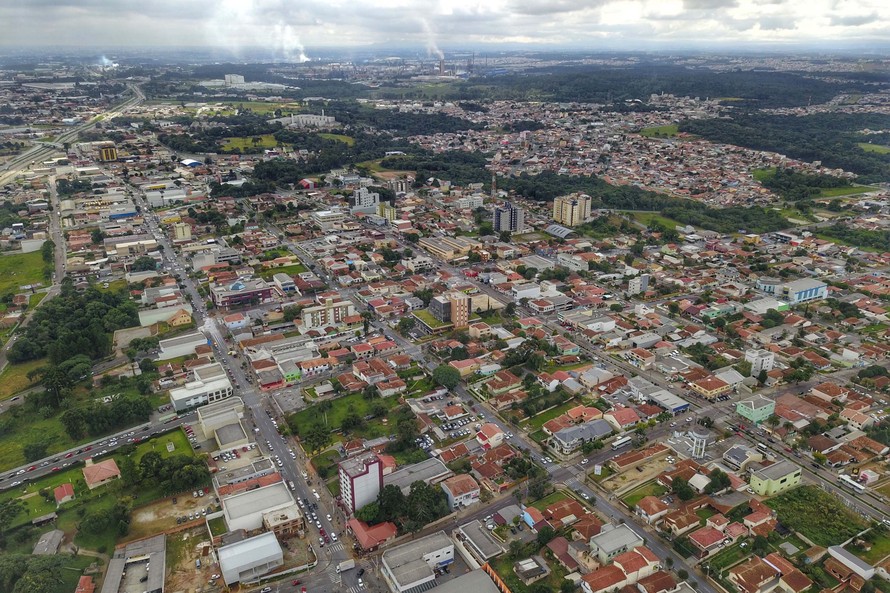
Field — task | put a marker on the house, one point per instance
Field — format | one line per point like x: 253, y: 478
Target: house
x: 63, y: 493
x: 608, y: 578
x: 614, y: 540
x: 564, y: 512
x: 775, y: 478
x: 569, y: 439
x: 490, y: 435
x: 753, y: 575
x: 461, y: 490
x: 621, y: 418
x: 651, y: 509
x: 637, y: 563
x: 371, y: 537
x: 85, y: 585
x: 99, y: 474
x: 657, y: 582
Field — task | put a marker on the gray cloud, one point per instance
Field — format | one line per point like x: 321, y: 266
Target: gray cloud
x: 709, y: 4
x: 284, y: 26
x: 854, y: 20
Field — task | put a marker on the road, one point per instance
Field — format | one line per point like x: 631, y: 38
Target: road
x: 84, y: 451
x: 259, y: 409
x: 37, y: 153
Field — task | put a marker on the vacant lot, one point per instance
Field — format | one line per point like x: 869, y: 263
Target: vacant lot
x: 19, y: 269
x: 868, y: 147
x: 832, y: 524
x: 652, y: 488
x: 660, y: 131
x: 349, y: 140
x: 289, y: 270
x: 183, y: 549
x: 331, y: 413
x: 14, y: 377
x: 247, y: 142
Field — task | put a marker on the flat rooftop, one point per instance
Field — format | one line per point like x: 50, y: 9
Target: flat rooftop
x: 425, y: 471
x: 256, y: 501
x: 147, y: 558
x: 481, y: 539
x: 406, y: 563
x: 230, y: 433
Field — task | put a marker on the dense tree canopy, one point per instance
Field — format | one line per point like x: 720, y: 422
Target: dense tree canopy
x: 74, y: 323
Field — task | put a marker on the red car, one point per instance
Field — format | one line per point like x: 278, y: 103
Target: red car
x: 89, y: 448
x: 55, y: 469
x: 295, y: 583
x: 69, y: 455
x: 32, y: 468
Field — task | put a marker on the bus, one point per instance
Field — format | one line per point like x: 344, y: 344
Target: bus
x: 762, y: 447
x: 618, y: 443
x: 850, y: 483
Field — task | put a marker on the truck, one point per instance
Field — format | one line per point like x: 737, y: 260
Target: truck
x: 346, y: 565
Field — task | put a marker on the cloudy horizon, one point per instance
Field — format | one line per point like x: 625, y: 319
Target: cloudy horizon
x: 290, y: 30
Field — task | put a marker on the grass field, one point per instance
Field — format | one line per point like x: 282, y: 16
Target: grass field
x: 834, y: 192
x: 289, y: 270
x: 92, y: 500
x: 19, y: 269
x: 428, y: 318
x: 660, y: 131
x: 246, y: 142
x: 763, y: 174
x: 729, y: 556
x: 878, y: 148
x: 340, y: 408
x: 503, y: 565
x: 549, y: 500
x: 35, y: 299
x: 31, y: 427
x: 652, y: 488
x: 113, y: 286
x: 538, y: 420
x: 14, y: 377
x: 648, y: 218
x: 880, y: 547
x: 833, y: 523
x: 348, y: 140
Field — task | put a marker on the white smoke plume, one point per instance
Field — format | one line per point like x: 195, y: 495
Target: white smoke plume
x: 432, y: 48
x: 238, y: 25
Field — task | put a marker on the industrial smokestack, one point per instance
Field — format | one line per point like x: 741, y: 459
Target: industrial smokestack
x: 442, y: 67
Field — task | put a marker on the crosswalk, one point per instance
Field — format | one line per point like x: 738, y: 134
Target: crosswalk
x: 335, y: 547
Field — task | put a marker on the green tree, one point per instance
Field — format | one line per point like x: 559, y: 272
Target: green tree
x: 682, y: 489
x: 35, y: 450
x: 316, y: 438
x: 446, y: 376
x: 545, y: 534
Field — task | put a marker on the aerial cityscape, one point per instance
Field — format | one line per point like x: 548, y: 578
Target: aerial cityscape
x: 524, y: 296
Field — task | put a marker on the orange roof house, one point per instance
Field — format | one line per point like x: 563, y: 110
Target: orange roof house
x: 99, y: 474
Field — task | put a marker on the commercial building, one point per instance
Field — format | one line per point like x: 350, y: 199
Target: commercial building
x: 284, y: 283
x: 242, y: 292
x: 329, y: 313
x: 775, y: 478
x: 449, y: 248
x: 209, y: 384
x: 182, y: 231
x: 181, y: 345
x: 805, y: 290
x: 857, y: 565
x: 145, y: 558
x: 614, y: 540
x: 328, y: 219
x: 249, y: 559
x: 414, y: 564
x: 571, y: 210
x: 361, y: 480
x: 755, y: 409
x: 509, y: 217
x: 245, y: 510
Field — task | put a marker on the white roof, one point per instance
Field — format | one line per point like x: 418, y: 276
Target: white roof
x: 249, y: 550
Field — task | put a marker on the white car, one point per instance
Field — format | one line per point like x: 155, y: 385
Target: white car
x: 584, y: 461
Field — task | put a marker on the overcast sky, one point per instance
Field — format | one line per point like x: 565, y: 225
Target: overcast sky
x: 290, y: 27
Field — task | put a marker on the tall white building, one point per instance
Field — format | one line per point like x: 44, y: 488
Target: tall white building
x: 361, y: 479
x: 234, y: 79
x: 330, y: 313
x: 363, y: 200
x: 761, y: 360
